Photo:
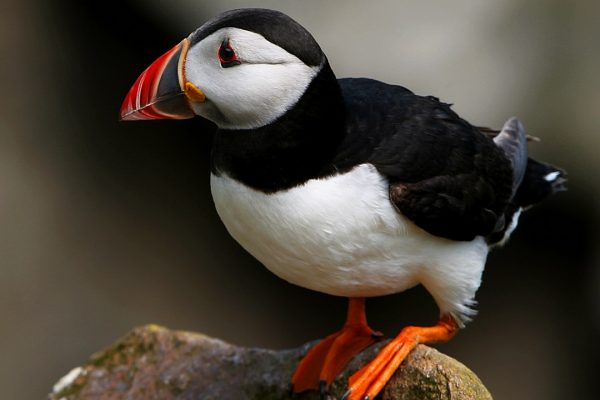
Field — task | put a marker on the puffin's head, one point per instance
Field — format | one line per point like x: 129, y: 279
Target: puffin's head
x: 243, y: 69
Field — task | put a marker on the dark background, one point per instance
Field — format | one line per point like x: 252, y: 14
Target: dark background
x: 105, y: 226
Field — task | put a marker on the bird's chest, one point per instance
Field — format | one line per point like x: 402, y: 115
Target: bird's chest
x: 319, y: 234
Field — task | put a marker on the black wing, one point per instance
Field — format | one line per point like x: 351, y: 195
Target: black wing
x: 444, y: 174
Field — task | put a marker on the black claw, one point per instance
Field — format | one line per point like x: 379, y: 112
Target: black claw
x: 322, y: 389
x: 377, y: 335
x: 345, y: 395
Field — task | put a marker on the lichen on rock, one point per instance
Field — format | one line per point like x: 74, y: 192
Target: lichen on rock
x: 152, y: 362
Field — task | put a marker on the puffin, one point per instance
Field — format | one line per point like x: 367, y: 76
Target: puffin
x: 351, y: 187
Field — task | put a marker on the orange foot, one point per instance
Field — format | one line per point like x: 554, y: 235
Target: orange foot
x: 327, y: 359
x: 367, y: 382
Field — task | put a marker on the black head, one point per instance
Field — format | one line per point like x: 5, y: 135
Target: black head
x: 274, y: 26
x: 243, y: 69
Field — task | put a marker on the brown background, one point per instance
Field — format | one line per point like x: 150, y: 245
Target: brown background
x: 105, y: 226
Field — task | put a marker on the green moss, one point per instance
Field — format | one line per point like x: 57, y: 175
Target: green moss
x: 265, y: 393
x: 424, y: 392
x: 176, y: 390
x: 124, y: 352
x: 106, y: 358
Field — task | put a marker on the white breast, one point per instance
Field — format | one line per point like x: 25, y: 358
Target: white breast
x: 341, y: 235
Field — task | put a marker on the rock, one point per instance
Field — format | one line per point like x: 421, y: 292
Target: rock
x: 152, y: 362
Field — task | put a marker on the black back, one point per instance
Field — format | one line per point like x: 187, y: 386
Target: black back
x: 444, y: 175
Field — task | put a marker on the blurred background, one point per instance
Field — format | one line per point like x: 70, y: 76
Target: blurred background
x: 105, y: 226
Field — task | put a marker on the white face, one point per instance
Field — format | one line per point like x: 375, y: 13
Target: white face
x: 267, y: 82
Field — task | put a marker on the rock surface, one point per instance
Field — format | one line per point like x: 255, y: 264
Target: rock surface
x: 152, y: 362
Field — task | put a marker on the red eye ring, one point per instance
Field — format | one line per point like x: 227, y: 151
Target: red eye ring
x: 227, y: 56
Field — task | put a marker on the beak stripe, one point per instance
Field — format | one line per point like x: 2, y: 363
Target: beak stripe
x: 138, y: 104
x: 158, y: 91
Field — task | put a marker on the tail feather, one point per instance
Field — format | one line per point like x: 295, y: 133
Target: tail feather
x: 533, y: 180
x: 492, y: 133
x: 513, y: 141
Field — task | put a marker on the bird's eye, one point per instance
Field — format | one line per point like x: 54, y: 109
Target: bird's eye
x: 227, y: 56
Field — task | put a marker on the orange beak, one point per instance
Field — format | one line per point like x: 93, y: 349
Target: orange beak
x: 161, y: 91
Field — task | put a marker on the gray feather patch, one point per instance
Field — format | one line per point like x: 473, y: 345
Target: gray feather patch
x: 513, y: 141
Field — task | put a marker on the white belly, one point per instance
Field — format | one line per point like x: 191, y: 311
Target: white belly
x: 342, y: 236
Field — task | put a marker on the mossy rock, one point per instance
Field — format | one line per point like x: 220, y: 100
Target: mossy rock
x: 152, y: 362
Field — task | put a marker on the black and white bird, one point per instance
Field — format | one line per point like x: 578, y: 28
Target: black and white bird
x: 350, y: 187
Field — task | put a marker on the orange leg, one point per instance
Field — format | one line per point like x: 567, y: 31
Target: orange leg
x: 367, y: 382
x: 327, y: 359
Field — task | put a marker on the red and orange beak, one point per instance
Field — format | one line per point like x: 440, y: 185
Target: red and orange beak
x: 161, y: 91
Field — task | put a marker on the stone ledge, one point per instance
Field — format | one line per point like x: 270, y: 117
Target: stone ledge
x: 153, y: 362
